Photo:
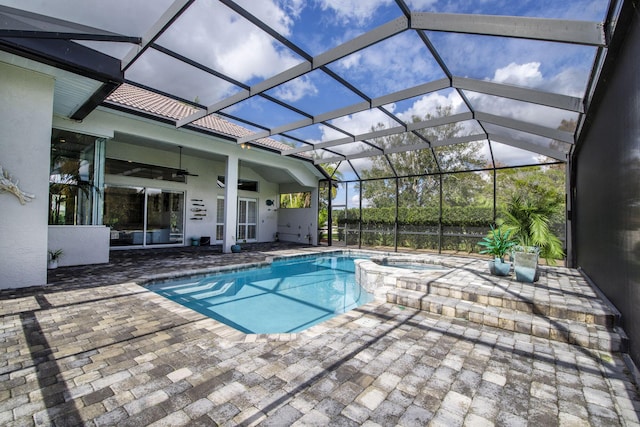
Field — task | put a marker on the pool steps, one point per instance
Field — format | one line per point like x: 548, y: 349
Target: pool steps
x: 596, y: 328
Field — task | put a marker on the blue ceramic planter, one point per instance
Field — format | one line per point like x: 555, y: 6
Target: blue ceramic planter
x: 497, y: 267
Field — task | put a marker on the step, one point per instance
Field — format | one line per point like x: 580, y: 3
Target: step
x: 588, y: 335
x: 523, y: 301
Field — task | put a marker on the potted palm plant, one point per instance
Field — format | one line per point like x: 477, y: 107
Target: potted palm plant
x: 54, y: 256
x: 528, y: 223
x: 497, y: 244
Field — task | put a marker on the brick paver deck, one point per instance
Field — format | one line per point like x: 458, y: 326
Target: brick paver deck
x: 95, y: 348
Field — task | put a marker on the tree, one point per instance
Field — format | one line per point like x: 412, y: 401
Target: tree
x: 416, y: 190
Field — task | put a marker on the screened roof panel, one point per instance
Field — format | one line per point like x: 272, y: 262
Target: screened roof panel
x: 331, y: 72
x: 346, y: 172
x: 466, y: 156
x: 157, y: 70
x: 529, y: 112
x: 243, y: 124
x: 117, y: 50
x: 227, y: 43
x: 426, y: 106
x: 547, y: 66
x: 450, y: 130
x: 507, y: 156
x: 415, y: 162
x: 293, y: 143
x: 319, y: 26
x: 373, y: 167
x: 330, y: 169
x: 131, y: 18
x: 529, y: 139
x: 365, y: 122
x: 309, y: 93
x: 355, y: 149
x: 317, y: 133
x: 253, y: 110
x: 400, y: 62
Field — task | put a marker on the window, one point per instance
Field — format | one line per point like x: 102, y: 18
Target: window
x: 220, y: 219
x: 247, y: 219
x: 141, y: 216
x: 243, y: 184
x: 295, y: 200
x: 74, y: 178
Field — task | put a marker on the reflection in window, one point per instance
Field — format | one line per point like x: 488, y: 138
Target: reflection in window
x: 71, y: 178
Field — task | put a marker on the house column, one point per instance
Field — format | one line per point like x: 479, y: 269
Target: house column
x: 230, y: 203
x: 25, y: 148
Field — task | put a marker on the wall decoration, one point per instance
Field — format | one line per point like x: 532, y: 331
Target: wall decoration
x: 10, y: 185
x: 198, y: 210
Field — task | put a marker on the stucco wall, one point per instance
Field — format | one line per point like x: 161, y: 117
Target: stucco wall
x: 296, y: 225
x: 26, y: 105
x: 81, y: 244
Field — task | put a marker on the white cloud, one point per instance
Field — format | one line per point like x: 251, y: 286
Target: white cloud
x: 357, y: 124
x: 272, y: 14
x: 351, y: 62
x: 231, y: 45
x: 296, y: 89
x: 394, y: 64
x: 428, y: 104
x: 519, y: 74
x: 354, y: 11
x: 421, y: 4
x: 570, y: 81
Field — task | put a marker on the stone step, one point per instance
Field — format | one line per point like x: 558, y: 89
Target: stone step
x: 518, y: 301
x: 587, y: 335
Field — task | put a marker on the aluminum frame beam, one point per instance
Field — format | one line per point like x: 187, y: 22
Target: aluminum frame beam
x: 548, y: 99
x: 531, y: 128
x: 554, y: 30
x: 363, y: 41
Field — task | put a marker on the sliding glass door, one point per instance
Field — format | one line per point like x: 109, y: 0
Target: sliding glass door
x: 141, y: 216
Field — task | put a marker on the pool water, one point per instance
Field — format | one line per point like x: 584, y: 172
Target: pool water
x: 287, y: 296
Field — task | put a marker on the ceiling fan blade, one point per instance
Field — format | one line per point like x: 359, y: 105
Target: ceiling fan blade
x: 180, y: 171
x: 184, y: 172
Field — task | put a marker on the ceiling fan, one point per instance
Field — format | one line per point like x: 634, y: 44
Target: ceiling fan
x: 180, y: 171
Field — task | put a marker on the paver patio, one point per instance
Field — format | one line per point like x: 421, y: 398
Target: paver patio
x: 98, y: 349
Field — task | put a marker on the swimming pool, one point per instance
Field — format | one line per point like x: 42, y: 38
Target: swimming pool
x: 290, y: 295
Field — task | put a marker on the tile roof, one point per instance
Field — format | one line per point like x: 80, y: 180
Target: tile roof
x: 150, y: 102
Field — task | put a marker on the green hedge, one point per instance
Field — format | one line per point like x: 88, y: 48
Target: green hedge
x: 471, y: 216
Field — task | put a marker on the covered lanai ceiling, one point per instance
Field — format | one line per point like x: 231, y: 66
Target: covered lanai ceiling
x: 330, y: 80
